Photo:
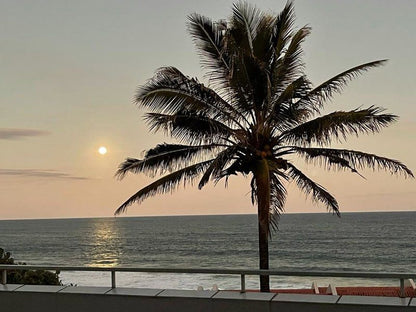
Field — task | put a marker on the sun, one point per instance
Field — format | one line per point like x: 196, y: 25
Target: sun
x: 102, y: 150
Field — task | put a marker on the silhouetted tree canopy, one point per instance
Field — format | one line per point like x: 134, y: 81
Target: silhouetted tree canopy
x: 259, y: 116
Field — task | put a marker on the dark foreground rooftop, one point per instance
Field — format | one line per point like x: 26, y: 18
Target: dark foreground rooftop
x: 19, y: 298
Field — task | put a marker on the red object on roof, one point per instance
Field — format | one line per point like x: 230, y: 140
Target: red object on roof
x: 355, y: 291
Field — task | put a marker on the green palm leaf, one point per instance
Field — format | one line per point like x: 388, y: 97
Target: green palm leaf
x: 166, y: 184
x: 245, y: 22
x: 283, y: 114
x: 316, y: 98
x: 290, y: 67
x: 164, y: 157
x: 283, y: 30
x: 309, y: 187
x: 277, y: 200
x: 208, y: 37
x: 217, y: 166
x: 342, y: 158
x: 170, y: 91
x: 191, y: 127
x: 338, y: 125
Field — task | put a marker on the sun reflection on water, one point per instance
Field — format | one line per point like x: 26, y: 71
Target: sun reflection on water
x: 106, y: 249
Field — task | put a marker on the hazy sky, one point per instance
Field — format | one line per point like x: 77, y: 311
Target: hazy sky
x: 69, y: 70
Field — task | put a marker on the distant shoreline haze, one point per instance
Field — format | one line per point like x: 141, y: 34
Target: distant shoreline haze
x: 207, y: 215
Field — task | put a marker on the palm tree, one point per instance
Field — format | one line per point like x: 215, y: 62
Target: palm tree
x: 259, y: 118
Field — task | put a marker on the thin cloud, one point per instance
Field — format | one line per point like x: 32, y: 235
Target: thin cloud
x: 37, y: 173
x: 16, y: 134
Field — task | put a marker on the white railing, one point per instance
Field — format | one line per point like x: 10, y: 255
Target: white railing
x: 242, y: 272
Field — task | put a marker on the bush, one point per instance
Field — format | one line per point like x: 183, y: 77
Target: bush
x: 28, y: 277
x: 33, y: 277
x: 5, y: 257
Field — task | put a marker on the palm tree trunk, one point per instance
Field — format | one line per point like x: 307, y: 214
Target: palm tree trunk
x: 262, y: 179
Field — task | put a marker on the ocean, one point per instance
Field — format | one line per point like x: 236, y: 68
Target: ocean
x: 369, y: 242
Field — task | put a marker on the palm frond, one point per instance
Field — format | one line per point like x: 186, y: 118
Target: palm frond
x: 338, y: 125
x: 263, y: 48
x: 315, y: 99
x: 283, y: 114
x: 277, y: 201
x: 170, y: 91
x: 245, y: 21
x: 164, y: 158
x: 194, y: 128
x: 217, y: 166
x: 294, y: 91
x: 239, y: 165
x: 208, y: 37
x: 283, y: 30
x: 212, y: 40
x: 309, y: 187
x: 165, y: 184
x: 247, y: 78
x: 240, y: 83
x: 290, y: 66
x: 277, y: 198
x: 342, y: 158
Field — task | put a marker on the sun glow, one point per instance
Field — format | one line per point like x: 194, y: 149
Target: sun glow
x: 102, y: 150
